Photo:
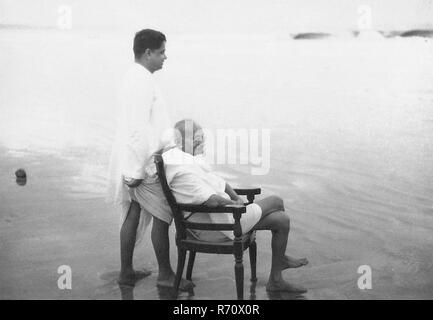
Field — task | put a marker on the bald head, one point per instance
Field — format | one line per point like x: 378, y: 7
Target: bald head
x: 189, y: 135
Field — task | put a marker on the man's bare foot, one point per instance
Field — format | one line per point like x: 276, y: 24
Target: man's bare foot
x: 282, y: 285
x: 168, y: 282
x: 290, y: 262
x: 132, y: 277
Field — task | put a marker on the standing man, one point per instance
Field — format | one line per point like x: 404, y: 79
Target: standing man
x: 142, y: 120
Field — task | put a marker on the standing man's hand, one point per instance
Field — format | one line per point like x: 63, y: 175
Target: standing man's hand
x: 132, y: 183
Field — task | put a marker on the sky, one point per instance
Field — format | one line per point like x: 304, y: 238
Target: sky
x: 222, y: 16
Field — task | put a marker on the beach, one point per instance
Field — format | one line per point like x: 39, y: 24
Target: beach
x: 351, y: 131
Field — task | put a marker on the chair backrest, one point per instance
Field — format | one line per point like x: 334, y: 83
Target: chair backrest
x: 177, y: 214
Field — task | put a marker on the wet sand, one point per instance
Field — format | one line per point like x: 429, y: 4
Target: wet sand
x: 351, y: 150
x: 47, y: 223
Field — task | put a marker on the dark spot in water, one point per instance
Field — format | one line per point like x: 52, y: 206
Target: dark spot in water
x: 21, y: 173
x: 425, y: 33
x: 21, y: 177
x: 311, y: 35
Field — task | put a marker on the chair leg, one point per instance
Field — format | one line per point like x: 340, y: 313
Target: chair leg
x: 253, y: 258
x: 239, y: 276
x: 190, y: 265
x: 181, y: 256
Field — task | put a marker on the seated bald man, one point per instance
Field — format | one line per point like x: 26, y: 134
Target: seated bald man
x: 192, y: 181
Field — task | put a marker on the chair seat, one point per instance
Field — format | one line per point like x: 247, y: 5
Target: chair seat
x: 225, y: 247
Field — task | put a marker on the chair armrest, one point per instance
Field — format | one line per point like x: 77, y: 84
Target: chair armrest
x: 220, y: 209
x: 248, y: 191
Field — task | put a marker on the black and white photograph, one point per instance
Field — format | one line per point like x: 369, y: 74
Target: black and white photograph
x: 216, y: 150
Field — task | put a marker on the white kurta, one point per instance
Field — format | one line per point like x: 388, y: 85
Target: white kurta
x: 191, y: 180
x: 143, y: 128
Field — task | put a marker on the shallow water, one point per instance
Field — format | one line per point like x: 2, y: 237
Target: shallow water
x: 351, y: 142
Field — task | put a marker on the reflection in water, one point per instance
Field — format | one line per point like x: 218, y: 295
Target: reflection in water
x: 168, y: 293
x: 141, y: 290
x: 253, y: 290
x: 21, y: 181
x: 164, y: 293
x: 127, y: 292
x: 109, y: 288
x: 282, y: 295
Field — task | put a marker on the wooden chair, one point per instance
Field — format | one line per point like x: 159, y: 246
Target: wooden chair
x: 186, y: 243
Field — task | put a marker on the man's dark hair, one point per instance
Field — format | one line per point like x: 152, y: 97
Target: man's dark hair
x: 147, y: 39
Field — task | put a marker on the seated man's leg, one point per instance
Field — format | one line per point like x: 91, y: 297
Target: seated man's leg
x: 127, y: 244
x: 272, y: 204
x: 274, y: 218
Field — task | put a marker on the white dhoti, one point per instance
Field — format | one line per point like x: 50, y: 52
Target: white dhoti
x: 152, y: 202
